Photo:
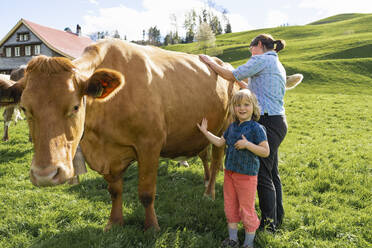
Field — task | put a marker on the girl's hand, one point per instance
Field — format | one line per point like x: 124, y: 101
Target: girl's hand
x: 204, y: 125
x: 241, y: 144
x: 205, y: 58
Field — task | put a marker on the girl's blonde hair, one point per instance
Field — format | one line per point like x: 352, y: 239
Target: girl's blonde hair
x: 245, y: 95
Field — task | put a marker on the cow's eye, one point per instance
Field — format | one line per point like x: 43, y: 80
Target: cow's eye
x: 76, y: 107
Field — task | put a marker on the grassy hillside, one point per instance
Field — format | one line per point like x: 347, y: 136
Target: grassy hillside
x: 324, y: 161
x: 336, y: 18
x: 341, y: 45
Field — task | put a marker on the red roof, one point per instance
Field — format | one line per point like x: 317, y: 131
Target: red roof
x: 65, y: 43
x: 61, y: 41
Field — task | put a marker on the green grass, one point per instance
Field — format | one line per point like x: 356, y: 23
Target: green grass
x: 325, y: 163
x: 337, y: 18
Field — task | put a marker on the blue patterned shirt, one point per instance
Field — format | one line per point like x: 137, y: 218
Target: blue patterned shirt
x: 243, y: 161
x: 268, y: 78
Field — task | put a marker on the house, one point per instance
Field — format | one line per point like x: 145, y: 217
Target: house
x: 28, y: 39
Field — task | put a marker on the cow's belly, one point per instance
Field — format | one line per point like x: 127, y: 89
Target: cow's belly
x: 181, y: 153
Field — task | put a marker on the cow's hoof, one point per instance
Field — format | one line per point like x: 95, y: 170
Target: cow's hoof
x: 74, y: 180
x: 110, y: 224
x: 107, y: 227
x: 153, y: 228
x: 209, y: 196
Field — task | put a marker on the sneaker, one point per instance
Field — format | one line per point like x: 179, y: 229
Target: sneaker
x: 230, y: 243
x: 267, y: 226
x: 183, y: 163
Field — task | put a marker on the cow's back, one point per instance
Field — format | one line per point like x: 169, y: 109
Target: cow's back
x: 165, y: 94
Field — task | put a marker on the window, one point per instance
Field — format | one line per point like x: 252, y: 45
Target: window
x: 26, y: 37
x: 37, y: 49
x: 8, y: 52
x: 17, y: 51
x: 27, y: 50
x: 23, y: 36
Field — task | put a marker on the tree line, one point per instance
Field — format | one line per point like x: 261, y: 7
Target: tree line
x: 198, y: 26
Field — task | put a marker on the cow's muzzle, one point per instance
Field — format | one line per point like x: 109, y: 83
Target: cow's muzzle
x: 49, y: 175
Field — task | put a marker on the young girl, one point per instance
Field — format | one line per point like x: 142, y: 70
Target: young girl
x: 245, y: 140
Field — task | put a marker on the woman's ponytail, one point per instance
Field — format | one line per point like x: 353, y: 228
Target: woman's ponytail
x: 280, y: 44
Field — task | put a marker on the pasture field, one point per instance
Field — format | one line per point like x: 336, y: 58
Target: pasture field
x: 325, y: 163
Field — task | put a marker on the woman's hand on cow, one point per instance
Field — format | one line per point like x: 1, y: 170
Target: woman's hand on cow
x: 242, y: 143
x: 205, y: 58
x: 204, y: 125
x: 220, y: 70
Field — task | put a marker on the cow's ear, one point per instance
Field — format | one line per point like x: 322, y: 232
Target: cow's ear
x: 10, y: 92
x: 103, y: 84
x: 293, y: 81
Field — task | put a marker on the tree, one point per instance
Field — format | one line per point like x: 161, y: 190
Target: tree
x: 99, y: 35
x: 154, y: 36
x: 116, y: 34
x: 167, y: 39
x: 228, y: 28
x: 174, y: 37
x: 215, y: 25
x: 205, y: 37
x: 190, y: 25
x: 204, y: 16
x: 226, y: 21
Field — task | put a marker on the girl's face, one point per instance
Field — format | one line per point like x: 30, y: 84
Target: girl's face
x: 244, y: 110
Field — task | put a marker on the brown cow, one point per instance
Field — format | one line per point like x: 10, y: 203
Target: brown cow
x: 12, y: 111
x: 132, y: 103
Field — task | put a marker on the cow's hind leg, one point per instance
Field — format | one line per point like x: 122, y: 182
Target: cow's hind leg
x: 216, y: 163
x: 7, y: 114
x: 115, y: 187
x: 147, y: 174
x: 6, y: 135
x: 204, y: 156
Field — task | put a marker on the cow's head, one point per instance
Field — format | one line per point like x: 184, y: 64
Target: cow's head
x: 52, y: 96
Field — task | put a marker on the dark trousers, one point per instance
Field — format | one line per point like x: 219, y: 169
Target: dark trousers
x: 269, y: 186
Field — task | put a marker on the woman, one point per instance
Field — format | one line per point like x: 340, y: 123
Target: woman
x: 267, y: 81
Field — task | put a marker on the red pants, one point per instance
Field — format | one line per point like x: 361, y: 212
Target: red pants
x: 239, y: 197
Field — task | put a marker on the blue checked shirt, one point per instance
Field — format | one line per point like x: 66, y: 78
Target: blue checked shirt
x: 243, y: 161
x: 268, y: 78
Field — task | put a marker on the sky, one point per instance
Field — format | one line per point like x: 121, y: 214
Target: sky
x: 131, y: 17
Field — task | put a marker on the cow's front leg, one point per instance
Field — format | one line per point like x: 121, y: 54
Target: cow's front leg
x: 148, y: 167
x: 115, y: 187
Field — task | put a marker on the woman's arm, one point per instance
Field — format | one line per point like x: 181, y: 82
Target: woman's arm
x: 217, y: 141
x: 242, y: 84
x: 261, y: 150
x: 223, y: 72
